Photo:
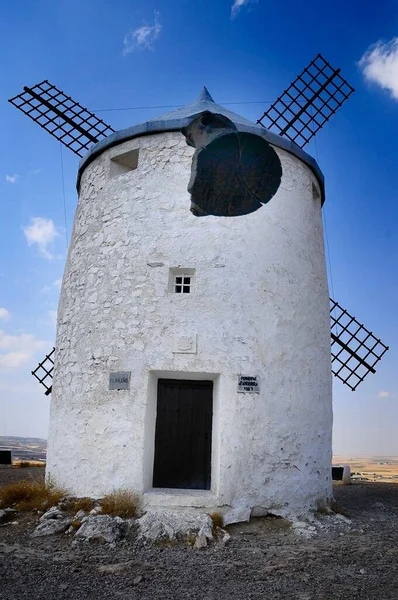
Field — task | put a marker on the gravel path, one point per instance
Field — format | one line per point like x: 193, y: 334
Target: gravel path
x: 264, y: 559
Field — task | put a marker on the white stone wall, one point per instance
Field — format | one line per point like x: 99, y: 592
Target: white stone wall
x: 259, y: 307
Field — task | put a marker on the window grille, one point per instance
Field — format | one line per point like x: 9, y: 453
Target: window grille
x: 182, y: 284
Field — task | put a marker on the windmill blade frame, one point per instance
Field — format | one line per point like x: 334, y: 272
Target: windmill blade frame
x: 61, y: 116
x: 44, y: 371
x: 308, y: 103
x: 355, y: 350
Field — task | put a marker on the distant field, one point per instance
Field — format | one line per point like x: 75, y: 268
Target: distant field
x: 24, y: 449
x: 374, y: 468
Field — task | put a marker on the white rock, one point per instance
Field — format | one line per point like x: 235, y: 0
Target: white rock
x: 53, y: 513
x: 303, y: 529
x: 51, y: 527
x: 80, y: 514
x: 226, y: 538
x: 101, y: 528
x: 342, y: 519
x: 154, y: 526
x: 200, y: 542
x: 237, y: 514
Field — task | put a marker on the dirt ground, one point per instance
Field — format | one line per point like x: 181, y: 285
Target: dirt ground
x: 265, y: 559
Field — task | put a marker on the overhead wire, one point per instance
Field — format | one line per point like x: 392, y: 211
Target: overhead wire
x: 177, y: 106
x: 63, y: 195
x: 326, y: 235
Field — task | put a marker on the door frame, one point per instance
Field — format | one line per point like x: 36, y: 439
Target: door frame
x: 150, y: 427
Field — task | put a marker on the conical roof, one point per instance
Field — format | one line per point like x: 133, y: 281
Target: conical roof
x: 178, y: 119
x: 203, y: 103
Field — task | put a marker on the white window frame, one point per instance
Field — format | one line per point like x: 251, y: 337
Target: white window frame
x: 176, y: 280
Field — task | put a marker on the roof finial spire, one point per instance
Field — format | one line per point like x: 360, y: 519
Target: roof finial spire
x: 204, y: 95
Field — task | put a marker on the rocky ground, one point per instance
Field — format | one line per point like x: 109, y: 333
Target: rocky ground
x: 331, y: 558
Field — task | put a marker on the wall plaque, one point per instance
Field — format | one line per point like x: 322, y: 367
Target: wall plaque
x: 249, y: 384
x: 119, y: 380
x: 184, y: 344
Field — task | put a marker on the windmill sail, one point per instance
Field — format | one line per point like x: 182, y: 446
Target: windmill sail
x: 44, y: 372
x: 69, y: 122
x: 355, y: 350
x: 310, y: 100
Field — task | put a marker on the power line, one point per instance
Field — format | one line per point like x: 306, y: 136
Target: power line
x: 326, y: 236
x: 178, y: 106
x: 63, y: 194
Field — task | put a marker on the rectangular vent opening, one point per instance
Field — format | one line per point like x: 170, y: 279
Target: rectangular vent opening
x: 123, y: 163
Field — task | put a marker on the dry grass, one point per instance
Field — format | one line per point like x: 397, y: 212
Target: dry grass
x: 26, y: 464
x: 28, y: 494
x: 121, y: 503
x: 217, y: 519
x: 85, y: 504
x: 339, y: 510
x: 323, y: 510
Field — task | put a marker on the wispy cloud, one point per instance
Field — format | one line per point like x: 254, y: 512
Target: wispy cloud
x: 12, y: 178
x: 55, y: 286
x: 143, y: 37
x: 19, y: 350
x: 237, y: 5
x: 379, y: 64
x: 385, y: 394
x: 4, y: 314
x: 42, y: 233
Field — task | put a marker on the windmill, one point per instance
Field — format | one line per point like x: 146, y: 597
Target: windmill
x: 298, y: 114
x: 193, y: 346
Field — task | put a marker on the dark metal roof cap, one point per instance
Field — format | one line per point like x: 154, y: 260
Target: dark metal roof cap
x: 204, y: 102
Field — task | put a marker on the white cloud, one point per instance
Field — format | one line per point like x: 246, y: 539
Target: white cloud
x: 142, y: 37
x: 12, y: 178
x: 55, y: 286
x: 13, y: 360
x: 379, y: 64
x: 4, y: 314
x: 384, y: 394
x: 237, y: 5
x: 19, y: 350
x: 41, y: 232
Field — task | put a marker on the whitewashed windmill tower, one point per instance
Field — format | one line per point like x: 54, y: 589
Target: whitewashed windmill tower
x: 192, y: 360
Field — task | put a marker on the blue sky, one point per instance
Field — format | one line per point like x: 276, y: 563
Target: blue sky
x: 112, y: 55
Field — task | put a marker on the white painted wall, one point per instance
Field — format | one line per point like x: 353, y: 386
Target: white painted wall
x: 259, y: 307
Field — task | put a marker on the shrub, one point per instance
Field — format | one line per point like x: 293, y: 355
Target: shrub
x: 25, y: 464
x: 339, y: 510
x: 28, y: 494
x: 217, y: 519
x: 121, y: 503
x: 85, y: 504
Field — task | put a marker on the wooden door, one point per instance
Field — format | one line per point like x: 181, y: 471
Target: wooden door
x: 183, y: 434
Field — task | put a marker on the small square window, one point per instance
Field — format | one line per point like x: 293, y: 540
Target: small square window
x: 181, y: 281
